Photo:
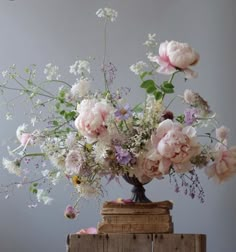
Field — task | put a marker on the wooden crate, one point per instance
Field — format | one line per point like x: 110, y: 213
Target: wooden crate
x: 136, y: 243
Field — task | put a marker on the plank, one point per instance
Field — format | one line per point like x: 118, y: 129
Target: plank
x: 179, y: 243
x: 135, y: 228
x: 137, y: 219
x: 128, y: 243
x: 85, y: 243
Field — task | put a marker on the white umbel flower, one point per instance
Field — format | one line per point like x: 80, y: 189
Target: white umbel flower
x: 51, y: 72
x: 80, y: 67
x: 107, y: 13
x: 139, y: 67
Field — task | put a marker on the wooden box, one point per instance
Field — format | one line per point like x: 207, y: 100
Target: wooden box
x: 136, y: 243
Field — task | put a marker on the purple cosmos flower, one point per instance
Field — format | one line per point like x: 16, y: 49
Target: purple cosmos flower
x: 190, y: 115
x: 122, y: 156
x: 123, y: 112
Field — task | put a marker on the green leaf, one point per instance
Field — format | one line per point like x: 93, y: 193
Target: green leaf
x: 180, y: 118
x: 144, y: 74
x: 151, y: 89
x: 35, y: 184
x: 34, y: 191
x: 147, y: 84
x: 62, y: 112
x: 167, y: 84
x: 167, y: 87
x: 158, y: 95
x: 55, y: 123
x: 167, y: 90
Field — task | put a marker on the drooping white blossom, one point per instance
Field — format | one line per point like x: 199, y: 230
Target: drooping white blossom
x: 13, y: 167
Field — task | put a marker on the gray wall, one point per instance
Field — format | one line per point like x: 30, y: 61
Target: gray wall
x: 58, y: 31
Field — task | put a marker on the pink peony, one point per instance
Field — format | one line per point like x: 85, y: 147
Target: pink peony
x: 147, y: 169
x: 174, y: 55
x: 91, y: 121
x: 224, y: 165
x: 176, y: 145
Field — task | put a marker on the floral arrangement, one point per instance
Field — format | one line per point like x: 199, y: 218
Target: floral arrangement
x: 87, y: 136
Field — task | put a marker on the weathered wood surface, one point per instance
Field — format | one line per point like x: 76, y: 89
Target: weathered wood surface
x: 110, y: 243
x: 137, y: 243
x: 136, y: 219
x: 136, y: 228
x: 162, y: 207
x: 179, y: 242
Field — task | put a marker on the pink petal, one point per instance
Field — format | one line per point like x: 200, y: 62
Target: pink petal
x: 164, y: 166
x: 163, y: 50
x: 90, y: 230
x: 168, y: 70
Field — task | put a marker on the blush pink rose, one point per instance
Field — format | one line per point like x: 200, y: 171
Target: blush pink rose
x: 176, y: 145
x: 174, y: 55
x: 91, y: 121
x: 224, y: 165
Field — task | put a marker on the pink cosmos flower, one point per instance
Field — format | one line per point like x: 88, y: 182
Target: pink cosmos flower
x: 91, y: 121
x: 90, y: 230
x: 224, y: 165
x: 174, y: 55
x: 176, y: 146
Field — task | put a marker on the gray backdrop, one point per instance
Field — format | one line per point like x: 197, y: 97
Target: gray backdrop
x: 60, y: 30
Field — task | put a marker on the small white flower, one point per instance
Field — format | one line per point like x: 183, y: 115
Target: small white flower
x: 45, y: 173
x: 8, y: 116
x: 80, y: 67
x: 42, y: 196
x: 32, y: 206
x: 51, y: 72
x: 4, y: 73
x: 55, y: 178
x: 151, y: 42
x: 108, y: 13
x: 33, y: 120
x: 80, y: 89
x: 38, y: 102
x: 13, y: 167
x: 138, y: 68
